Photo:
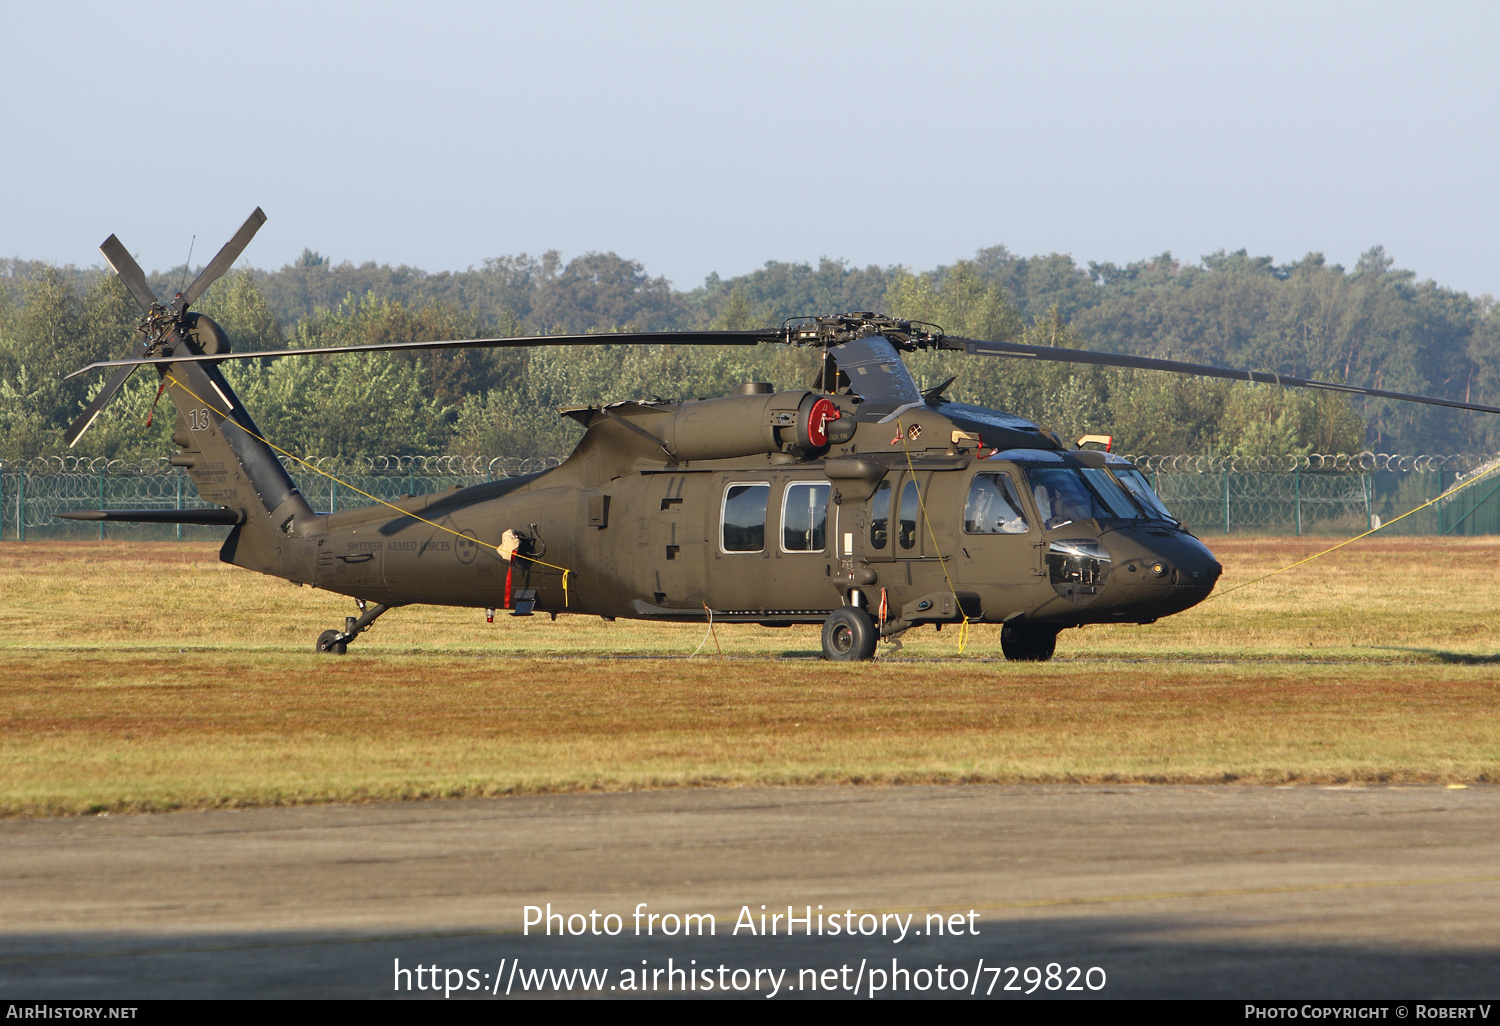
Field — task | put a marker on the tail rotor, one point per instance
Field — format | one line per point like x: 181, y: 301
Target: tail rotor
x: 162, y: 328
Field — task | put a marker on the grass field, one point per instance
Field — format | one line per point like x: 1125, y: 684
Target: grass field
x: 150, y: 676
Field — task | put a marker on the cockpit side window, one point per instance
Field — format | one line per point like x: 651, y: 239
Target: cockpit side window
x: 993, y: 507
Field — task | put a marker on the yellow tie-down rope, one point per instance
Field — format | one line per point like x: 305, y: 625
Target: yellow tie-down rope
x: 963, y: 630
x: 1349, y: 541
x: 345, y: 484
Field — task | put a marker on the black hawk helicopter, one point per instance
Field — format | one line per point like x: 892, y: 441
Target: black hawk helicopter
x: 862, y: 503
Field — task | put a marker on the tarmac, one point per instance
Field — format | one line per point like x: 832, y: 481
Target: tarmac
x: 1234, y: 891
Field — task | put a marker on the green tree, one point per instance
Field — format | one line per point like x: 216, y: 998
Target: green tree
x: 51, y: 332
x: 235, y: 301
x: 358, y: 405
x: 736, y: 314
x: 455, y: 375
x: 780, y: 290
x: 601, y: 292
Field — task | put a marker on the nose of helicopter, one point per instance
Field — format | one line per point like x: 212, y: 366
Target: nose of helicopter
x: 1158, y: 572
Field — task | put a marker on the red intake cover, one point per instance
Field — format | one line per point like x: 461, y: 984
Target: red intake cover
x: 817, y: 421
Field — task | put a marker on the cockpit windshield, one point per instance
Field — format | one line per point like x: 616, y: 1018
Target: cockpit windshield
x: 1135, y: 482
x: 1066, y: 494
x: 1115, y: 498
x: 1062, y: 497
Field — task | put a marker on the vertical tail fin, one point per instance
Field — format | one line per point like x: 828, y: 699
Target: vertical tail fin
x: 231, y: 464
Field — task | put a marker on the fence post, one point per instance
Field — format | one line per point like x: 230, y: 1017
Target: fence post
x: 1297, y: 486
x: 179, y: 502
x: 1368, y: 488
x: 21, y: 506
x: 411, y: 481
x: 1440, y: 503
x: 2, y: 505
x: 1226, y: 498
x: 101, y: 503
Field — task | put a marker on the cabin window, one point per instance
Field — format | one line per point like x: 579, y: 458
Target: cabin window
x: 911, y: 511
x: 993, y: 507
x: 744, y: 516
x: 804, y: 517
x: 880, y: 516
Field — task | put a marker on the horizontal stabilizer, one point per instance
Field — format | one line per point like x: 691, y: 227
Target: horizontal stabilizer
x: 206, y: 517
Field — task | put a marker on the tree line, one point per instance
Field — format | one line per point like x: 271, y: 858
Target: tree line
x: 1373, y: 324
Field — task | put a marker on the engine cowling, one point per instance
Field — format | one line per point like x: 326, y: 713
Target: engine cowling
x: 744, y: 425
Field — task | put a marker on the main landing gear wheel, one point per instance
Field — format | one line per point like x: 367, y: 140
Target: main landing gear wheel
x: 1024, y: 643
x: 849, y: 635
x: 328, y: 646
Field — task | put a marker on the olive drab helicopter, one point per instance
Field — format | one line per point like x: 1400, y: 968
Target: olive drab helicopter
x: 861, y: 503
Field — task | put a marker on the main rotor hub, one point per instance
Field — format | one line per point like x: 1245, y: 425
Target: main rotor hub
x: 826, y: 332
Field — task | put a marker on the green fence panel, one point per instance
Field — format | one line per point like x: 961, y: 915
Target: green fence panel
x: 33, y: 492
x: 1333, y: 496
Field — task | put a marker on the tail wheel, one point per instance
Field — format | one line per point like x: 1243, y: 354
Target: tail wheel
x: 849, y: 635
x: 1024, y: 643
x: 326, y: 644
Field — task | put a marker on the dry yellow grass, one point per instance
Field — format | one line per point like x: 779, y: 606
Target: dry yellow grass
x: 136, y: 676
x: 1398, y: 600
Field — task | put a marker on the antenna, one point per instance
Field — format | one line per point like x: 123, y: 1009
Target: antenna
x: 187, y: 266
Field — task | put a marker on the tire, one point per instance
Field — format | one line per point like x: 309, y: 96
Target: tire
x: 1027, y: 644
x: 849, y: 636
x: 326, y: 646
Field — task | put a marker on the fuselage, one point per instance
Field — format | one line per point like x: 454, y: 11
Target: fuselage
x: 916, y: 515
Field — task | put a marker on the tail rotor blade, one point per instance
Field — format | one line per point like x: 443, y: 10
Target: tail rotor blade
x: 129, y: 271
x: 82, y: 424
x: 223, y: 261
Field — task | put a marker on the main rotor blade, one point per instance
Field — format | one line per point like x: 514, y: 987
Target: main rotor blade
x: 78, y: 427
x: 129, y: 271
x: 223, y: 261
x: 1057, y: 355
x: 687, y: 338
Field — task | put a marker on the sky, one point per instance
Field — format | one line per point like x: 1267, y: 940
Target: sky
x: 712, y: 137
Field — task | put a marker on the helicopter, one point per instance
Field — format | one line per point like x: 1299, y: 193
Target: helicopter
x: 861, y: 502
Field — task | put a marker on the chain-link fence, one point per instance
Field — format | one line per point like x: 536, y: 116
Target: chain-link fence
x: 33, y: 492
x: 1317, y: 494
x: 1329, y: 495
